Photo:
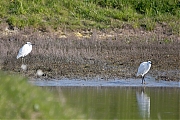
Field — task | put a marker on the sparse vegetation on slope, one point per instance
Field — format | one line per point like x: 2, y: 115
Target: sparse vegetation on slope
x: 91, y: 49
x: 112, y: 55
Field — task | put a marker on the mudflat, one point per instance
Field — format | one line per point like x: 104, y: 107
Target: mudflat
x: 114, y: 53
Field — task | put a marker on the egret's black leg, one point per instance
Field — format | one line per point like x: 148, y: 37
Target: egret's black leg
x: 22, y: 60
x: 142, y: 79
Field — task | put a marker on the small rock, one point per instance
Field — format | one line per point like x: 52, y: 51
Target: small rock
x: 24, y: 67
x: 39, y: 72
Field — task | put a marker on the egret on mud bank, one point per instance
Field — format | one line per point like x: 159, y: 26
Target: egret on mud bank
x: 143, y: 69
x: 25, y: 50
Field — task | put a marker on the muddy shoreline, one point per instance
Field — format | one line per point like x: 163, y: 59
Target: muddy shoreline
x: 86, y: 54
x: 96, y: 82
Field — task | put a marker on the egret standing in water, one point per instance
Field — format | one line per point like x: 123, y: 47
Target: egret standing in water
x: 143, y: 69
x: 25, y: 50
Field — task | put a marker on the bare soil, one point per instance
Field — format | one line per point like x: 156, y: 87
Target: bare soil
x: 90, y: 53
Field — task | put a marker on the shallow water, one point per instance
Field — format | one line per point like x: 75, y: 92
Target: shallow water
x: 150, y: 82
x: 118, y: 98
x: 122, y: 102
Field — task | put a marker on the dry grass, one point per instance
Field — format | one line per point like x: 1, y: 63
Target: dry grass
x: 106, y: 54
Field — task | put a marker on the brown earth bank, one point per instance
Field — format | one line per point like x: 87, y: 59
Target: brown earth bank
x: 114, y: 53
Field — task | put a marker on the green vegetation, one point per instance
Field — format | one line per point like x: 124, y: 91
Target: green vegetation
x: 90, y: 13
x: 21, y: 100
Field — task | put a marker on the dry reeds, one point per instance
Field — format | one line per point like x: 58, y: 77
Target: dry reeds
x: 113, y: 56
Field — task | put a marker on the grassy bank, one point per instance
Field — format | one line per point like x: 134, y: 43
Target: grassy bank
x: 20, y: 100
x: 113, y: 52
x: 85, y: 14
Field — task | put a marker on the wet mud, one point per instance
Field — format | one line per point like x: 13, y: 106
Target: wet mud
x: 97, y: 82
x: 86, y: 54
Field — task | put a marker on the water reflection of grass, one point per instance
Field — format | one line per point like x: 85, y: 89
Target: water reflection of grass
x: 20, y: 100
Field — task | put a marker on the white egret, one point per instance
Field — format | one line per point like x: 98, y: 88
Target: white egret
x: 25, y: 50
x: 143, y: 69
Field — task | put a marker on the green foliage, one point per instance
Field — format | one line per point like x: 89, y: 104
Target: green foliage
x: 21, y: 100
x: 167, y: 41
x: 82, y: 13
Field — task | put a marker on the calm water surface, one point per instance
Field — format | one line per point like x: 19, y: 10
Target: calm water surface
x: 123, y: 102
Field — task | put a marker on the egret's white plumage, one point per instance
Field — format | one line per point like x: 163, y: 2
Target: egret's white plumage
x: 143, y: 69
x: 25, y: 50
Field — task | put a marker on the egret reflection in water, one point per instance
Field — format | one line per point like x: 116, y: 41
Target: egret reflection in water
x: 143, y: 104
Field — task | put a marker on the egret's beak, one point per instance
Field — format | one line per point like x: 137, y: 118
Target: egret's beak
x: 32, y: 44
